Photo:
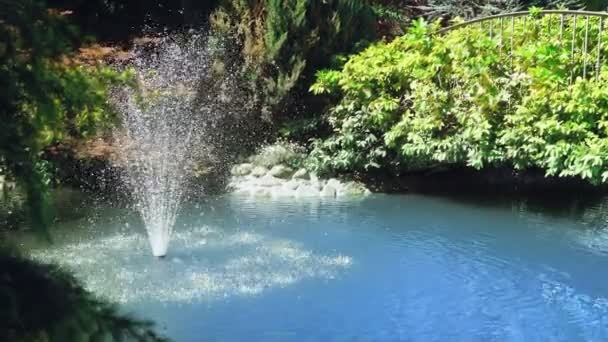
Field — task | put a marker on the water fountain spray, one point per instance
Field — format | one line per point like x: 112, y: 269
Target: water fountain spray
x: 163, y: 121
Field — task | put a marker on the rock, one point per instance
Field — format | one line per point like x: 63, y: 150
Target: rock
x: 241, y: 169
x: 259, y: 171
x: 328, y: 191
x: 281, y: 171
x: 291, y: 185
x: 242, y: 191
x: 316, y: 184
x: 268, y: 181
x: 306, y: 191
x: 261, y: 192
x: 278, y: 192
x: 301, y: 174
x: 276, y: 154
x: 352, y: 189
x: 336, y: 184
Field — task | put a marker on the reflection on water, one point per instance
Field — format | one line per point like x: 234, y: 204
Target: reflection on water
x: 383, y: 268
x: 119, y: 267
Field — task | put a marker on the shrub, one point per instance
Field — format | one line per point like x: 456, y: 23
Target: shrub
x: 459, y: 99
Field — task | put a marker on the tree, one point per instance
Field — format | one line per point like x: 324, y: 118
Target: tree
x: 43, y: 95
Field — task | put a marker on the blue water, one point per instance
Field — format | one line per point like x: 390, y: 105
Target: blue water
x: 383, y: 268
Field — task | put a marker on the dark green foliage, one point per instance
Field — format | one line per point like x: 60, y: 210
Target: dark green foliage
x: 394, y: 16
x: 43, y: 96
x: 122, y: 19
x: 283, y: 42
x: 426, y: 100
x: 596, y: 5
x: 43, y: 303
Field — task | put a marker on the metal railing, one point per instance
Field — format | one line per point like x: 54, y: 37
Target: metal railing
x: 502, y: 26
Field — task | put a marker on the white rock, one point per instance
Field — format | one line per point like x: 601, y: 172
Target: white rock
x: 306, y: 191
x: 328, y: 191
x: 301, y: 174
x: 291, y: 185
x: 282, y: 192
x: 316, y: 184
x: 269, y: 181
x: 334, y: 183
x: 241, y: 169
x: 352, y: 189
x: 281, y: 171
x: 274, y: 155
x: 259, y: 171
x: 242, y: 191
x: 260, y: 192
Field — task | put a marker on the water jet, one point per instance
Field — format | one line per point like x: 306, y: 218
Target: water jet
x: 163, y: 120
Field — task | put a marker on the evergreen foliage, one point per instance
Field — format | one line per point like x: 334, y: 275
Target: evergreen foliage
x: 283, y: 42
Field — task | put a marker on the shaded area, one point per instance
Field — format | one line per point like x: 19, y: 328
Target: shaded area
x: 43, y: 303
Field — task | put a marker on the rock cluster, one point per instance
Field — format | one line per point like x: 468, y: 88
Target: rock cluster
x: 282, y: 181
x: 6, y: 187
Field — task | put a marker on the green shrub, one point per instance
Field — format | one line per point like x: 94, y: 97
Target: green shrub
x: 459, y: 99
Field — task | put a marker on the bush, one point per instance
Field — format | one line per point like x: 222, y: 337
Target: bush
x: 457, y: 99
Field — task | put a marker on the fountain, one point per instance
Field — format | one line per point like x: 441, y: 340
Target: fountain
x: 164, y: 120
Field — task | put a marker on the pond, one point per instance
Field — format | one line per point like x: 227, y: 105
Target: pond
x: 381, y: 268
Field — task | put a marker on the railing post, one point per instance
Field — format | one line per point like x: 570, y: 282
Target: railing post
x: 501, y: 35
x: 564, y: 25
x: 599, y: 50
x: 585, y: 47
x: 561, y: 30
x: 512, y: 40
x: 573, y: 49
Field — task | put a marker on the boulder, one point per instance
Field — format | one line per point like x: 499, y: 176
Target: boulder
x: 268, y: 181
x: 301, y: 174
x: 278, y: 192
x: 352, y: 189
x: 291, y: 185
x: 306, y: 191
x: 241, y: 169
x: 261, y: 192
x: 315, y: 183
x: 276, y: 154
x: 281, y: 171
x: 336, y: 184
x: 259, y: 171
x: 328, y: 191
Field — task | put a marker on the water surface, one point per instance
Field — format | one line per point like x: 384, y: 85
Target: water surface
x: 383, y: 268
